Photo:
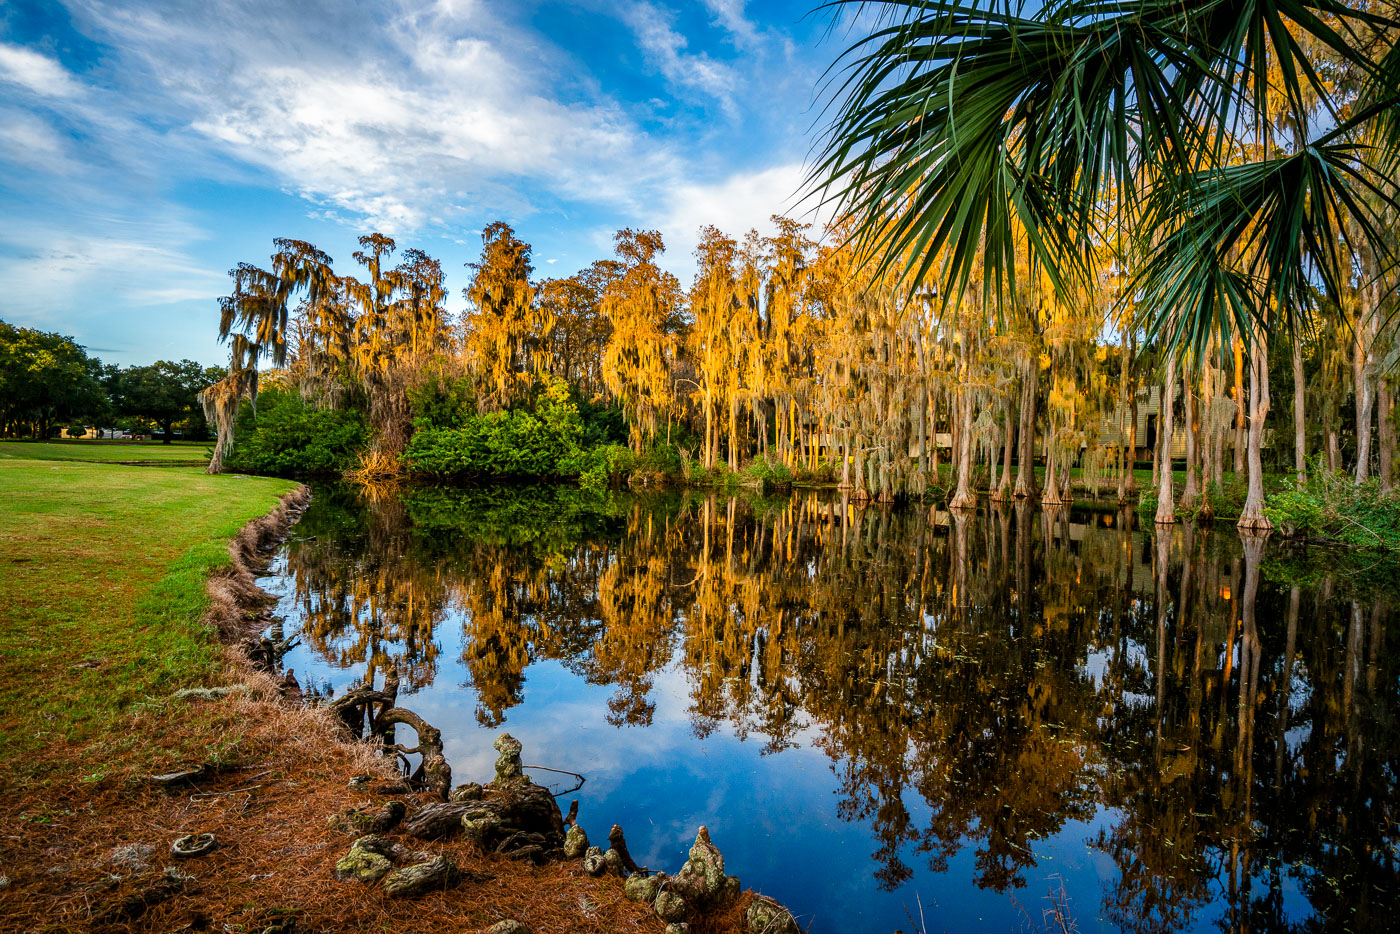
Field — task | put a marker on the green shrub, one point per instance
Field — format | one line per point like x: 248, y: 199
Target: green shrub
x: 286, y: 437
x: 766, y: 472
x: 1333, y: 507
x: 443, y: 403
x: 513, y: 443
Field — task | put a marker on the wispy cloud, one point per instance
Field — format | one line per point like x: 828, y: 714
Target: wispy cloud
x: 446, y: 118
x: 730, y: 15
x: 666, y: 49
x: 35, y: 72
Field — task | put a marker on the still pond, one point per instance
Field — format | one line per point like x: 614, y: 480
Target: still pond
x: 882, y: 712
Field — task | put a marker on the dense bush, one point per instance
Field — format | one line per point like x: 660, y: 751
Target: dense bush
x: 1333, y: 507
x: 544, y: 442
x: 286, y: 436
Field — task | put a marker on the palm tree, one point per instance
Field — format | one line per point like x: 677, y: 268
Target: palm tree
x: 958, y: 124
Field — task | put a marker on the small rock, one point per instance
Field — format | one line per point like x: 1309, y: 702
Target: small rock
x: 359, y: 781
x: 679, y: 927
x: 640, y: 888
x: 471, y: 791
x: 508, y: 927
x: 392, y: 788
x: 670, y: 907
x: 434, y: 875
x: 593, y: 863
x: 362, y: 865
x: 575, y: 842
x: 613, y: 859
x: 765, y: 916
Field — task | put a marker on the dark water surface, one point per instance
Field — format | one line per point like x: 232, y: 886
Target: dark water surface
x: 875, y: 710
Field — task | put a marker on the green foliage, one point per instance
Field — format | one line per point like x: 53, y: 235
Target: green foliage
x: 1332, y: 507
x: 511, y: 443
x: 599, y: 467
x: 766, y: 473
x: 163, y: 392
x: 1227, y: 500
x: 826, y: 471
x: 442, y: 402
x: 286, y: 436
x: 602, y: 424
x: 45, y: 380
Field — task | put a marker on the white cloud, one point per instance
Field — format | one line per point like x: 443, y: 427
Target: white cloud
x: 730, y: 15
x: 734, y: 204
x: 666, y: 50
x: 36, y: 72
x: 420, y: 119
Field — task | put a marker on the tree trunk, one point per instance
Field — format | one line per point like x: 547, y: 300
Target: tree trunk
x: 709, y: 427
x: 963, y: 498
x: 922, y: 411
x: 1003, y: 491
x: 1252, y: 517
x: 1025, y: 470
x: 1191, y: 494
x: 1125, y: 451
x: 1051, y: 496
x: 1385, y: 435
x: 1166, y: 505
x: 1365, y: 398
x: 1300, y: 437
x: 1239, y: 407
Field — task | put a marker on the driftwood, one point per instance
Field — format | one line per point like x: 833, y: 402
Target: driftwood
x: 365, y: 704
x: 438, y: 820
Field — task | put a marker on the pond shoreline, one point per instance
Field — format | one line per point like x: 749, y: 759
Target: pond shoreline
x: 239, y: 613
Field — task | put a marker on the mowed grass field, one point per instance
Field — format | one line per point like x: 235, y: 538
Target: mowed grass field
x: 186, y: 452
x: 102, y: 571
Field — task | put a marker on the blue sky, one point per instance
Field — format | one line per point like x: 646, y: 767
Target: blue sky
x: 147, y: 147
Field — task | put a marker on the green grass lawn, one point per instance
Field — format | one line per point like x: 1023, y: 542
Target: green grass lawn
x: 102, y: 594
x: 189, y: 452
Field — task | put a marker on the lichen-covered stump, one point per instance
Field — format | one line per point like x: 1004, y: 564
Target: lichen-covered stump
x: 508, y: 767
x: 433, y: 876
x: 765, y: 916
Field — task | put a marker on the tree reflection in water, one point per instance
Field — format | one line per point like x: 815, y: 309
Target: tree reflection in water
x: 1230, y: 709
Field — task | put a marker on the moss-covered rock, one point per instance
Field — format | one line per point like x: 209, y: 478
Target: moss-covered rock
x: 508, y: 767
x: 613, y: 860
x: 433, y: 875
x: 765, y: 916
x: 593, y: 863
x: 575, y: 842
x: 471, y: 791
x: 670, y: 907
x: 362, y: 865
x: 640, y: 888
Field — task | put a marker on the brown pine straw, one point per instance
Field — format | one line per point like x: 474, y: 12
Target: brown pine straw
x: 269, y: 804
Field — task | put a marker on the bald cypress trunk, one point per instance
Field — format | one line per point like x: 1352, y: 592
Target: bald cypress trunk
x: 1252, y: 517
x: 1166, y: 505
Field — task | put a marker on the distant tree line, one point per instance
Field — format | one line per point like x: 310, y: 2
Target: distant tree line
x: 51, y: 386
